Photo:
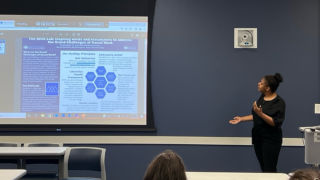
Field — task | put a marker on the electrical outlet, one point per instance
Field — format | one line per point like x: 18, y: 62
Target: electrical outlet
x: 317, y: 108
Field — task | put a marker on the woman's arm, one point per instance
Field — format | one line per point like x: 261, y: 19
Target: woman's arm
x: 238, y: 119
x: 268, y: 119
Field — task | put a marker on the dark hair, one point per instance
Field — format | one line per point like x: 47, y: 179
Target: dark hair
x: 166, y: 166
x: 273, y: 81
x: 306, y: 174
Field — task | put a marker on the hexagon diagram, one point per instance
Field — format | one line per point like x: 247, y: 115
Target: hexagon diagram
x: 111, y: 76
x: 100, y: 82
x: 101, y: 70
x: 90, y: 87
x: 110, y: 88
x: 100, y: 93
x: 90, y: 76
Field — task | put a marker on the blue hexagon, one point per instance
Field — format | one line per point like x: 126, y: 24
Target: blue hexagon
x: 90, y: 76
x: 111, y: 88
x: 100, y: 82
x: 90, y: 87
x: 111, y: 76
x: 101, y: 70
x: 100, y: 93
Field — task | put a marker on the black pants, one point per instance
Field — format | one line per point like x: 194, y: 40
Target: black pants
x: 267, y: 154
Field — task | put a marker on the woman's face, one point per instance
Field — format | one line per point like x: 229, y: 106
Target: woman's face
x: 262, y: 86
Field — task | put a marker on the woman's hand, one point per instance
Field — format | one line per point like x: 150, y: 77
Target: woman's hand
x: 257, y: 109
x: 235, y: 120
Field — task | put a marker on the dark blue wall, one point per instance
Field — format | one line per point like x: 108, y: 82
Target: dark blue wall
x: 130, y: 161
x: 199, y: 81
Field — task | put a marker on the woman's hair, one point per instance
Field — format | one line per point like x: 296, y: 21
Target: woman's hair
x: 166, y: 166
x: 306, y: 174
x: 273, y: 81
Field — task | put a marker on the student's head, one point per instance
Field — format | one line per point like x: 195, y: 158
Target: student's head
x: 166, y: 166
x: 270, y: 83
x: 306, y: 174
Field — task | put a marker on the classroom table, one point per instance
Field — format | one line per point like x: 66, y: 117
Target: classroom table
x: 12, y: 174
x: 235, y: 176
x: 24, y: 153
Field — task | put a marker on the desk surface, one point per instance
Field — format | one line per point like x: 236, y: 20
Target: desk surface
x: 38, y: 151
x: 35, y: 153
x: 235, y: 176
x: 12, y: 174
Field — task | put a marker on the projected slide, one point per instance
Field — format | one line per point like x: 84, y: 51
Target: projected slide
x: 73, y: 70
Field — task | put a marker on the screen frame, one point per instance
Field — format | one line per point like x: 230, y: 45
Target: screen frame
x: 146, y: 9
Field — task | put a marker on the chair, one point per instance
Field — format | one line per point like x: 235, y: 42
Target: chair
x: 84, y: 158
x: 10, y: 145
x: 41, y: 161
x: 10, y: 161
x: 43, y: 144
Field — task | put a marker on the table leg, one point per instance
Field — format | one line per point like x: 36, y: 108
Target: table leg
x: 61, y: 168
x: 21, y: 164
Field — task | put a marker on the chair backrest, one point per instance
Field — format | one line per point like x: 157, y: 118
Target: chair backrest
x: 7, y: 144
x: 85, y: 158
x: 43, y: 144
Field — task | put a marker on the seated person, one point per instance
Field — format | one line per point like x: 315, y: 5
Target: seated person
x: 166, y: 166
x: 306, y: 174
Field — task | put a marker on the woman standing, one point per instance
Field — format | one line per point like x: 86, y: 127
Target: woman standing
x: 268, y: 114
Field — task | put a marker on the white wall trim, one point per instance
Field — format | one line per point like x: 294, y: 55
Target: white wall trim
x: 178, y: 140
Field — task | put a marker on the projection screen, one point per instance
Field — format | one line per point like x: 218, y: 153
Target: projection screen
x: 61, y: 71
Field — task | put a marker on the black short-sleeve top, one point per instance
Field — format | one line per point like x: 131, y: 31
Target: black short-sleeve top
x: 274, y: 108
